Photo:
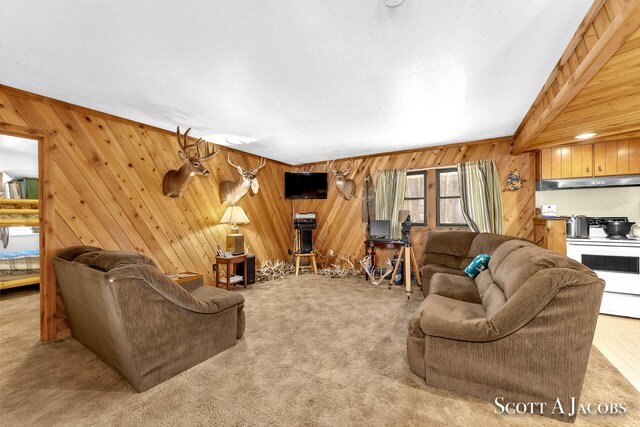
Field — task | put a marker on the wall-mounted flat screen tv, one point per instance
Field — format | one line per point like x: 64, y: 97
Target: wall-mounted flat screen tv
x: 305, y: 185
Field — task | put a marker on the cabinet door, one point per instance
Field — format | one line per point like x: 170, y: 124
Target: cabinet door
x: 623, y: 158
x: 545, y: 163
x: 566, y: 162
x: 634, y: 156
x: 611, y: 158
x: 540, y: 233
x: 587, y: 160
x: 576, y: 161
x: 556, y: 163
x: 599, y: 158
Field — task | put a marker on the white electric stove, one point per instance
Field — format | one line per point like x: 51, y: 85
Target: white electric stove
x: 617, y: 262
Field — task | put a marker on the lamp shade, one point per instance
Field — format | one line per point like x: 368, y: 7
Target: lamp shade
x: 234, y: 215
x: 402, y: 215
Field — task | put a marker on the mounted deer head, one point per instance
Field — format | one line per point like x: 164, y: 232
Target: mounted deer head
x: 232, y: 191
x: 175, y: 181
x: 346, y: 187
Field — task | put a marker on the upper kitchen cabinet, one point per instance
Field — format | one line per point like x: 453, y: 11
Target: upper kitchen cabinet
x: 616, y: 157
x: 585, y: 160
x: 566, y: 162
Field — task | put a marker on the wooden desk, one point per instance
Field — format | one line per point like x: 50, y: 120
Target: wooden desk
x: 371, y: 245
x: 229, y: 262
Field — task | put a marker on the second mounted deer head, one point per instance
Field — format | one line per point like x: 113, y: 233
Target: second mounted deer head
x: 232, y: 191
x: 175, y: 182
x: 346, y: 187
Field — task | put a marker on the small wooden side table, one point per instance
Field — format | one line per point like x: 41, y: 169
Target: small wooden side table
x: 312, y: 260
x: 188, y: 280
x: 229, y: 262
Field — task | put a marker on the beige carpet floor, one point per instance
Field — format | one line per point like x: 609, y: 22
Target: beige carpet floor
x: 316, y: 352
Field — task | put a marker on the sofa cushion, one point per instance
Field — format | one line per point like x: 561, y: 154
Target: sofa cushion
x: 108, y: 260
x: 477, y: 265
x: 485, y: 243
x: 430, y: 269
x: 87, y: 257
x: 443, y: 259
x: 504, y: 250
x: 456, y: 287
x: 456, y: 243
x: 491, y: 295
x: 524, y: 262
x: 449, y: 318
x: 71, y: 253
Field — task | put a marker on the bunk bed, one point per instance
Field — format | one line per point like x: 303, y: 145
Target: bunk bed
x: 19, y: 268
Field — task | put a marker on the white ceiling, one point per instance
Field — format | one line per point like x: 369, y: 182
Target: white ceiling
x: 15, y: 145
x: 308, y: 79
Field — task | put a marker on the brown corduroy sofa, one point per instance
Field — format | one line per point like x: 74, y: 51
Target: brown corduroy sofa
x: 451, y: 251
x: 138, y: 321
x: 521, y: 331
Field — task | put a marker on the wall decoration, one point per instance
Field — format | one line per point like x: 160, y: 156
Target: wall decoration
x: 514, y: 181
x: 176, y: 181
x: 232, y: 191
x: 346, y: 187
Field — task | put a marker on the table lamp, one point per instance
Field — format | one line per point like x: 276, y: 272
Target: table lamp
x: 234, y: 215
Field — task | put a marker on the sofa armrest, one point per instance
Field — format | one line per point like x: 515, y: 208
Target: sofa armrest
x: 213, y: 302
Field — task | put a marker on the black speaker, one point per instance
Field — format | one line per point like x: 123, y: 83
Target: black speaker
x: 399, y: 277
x: 251, y: 269
x: 306, y: 241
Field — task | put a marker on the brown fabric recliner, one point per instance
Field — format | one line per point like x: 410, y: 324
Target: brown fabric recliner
x: 521, y: 331
x: 451, y: 251
x: 138, y: 321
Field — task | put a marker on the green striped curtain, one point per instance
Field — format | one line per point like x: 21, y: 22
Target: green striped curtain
x: 390, y: 186
x: 480, y: 196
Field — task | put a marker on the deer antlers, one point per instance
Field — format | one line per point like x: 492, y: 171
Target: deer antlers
x: 262, y: 164
x: 335, y: 171
x: 184, y: 145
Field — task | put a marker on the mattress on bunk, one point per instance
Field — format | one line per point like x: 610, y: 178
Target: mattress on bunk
x: 23, y: 262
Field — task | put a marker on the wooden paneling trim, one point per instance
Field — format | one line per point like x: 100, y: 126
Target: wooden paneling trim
x: 578, y: 69
x: 415, y: 151
x: 46, y: 148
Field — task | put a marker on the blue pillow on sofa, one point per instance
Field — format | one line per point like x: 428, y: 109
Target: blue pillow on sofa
x: 478, y: 264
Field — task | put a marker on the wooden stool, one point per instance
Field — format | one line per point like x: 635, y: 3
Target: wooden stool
x: 312, y: 260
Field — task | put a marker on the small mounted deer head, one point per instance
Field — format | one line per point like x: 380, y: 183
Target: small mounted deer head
x: 346, y: 187
x: 175, y: 182
x: 232, y: 191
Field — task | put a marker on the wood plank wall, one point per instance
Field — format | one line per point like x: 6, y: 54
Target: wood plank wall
x: 339, y: 221
x: 107, y: 184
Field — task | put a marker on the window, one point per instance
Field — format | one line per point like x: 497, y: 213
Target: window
x: 415, y: 200
x: 448, y: 210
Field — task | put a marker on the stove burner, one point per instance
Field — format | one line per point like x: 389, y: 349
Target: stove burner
x: 617, y: 237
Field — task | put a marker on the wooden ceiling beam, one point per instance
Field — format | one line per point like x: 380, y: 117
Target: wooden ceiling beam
x: 611, y: 21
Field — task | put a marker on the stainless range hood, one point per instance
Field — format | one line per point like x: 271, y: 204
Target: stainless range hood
x: 595, y: 182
